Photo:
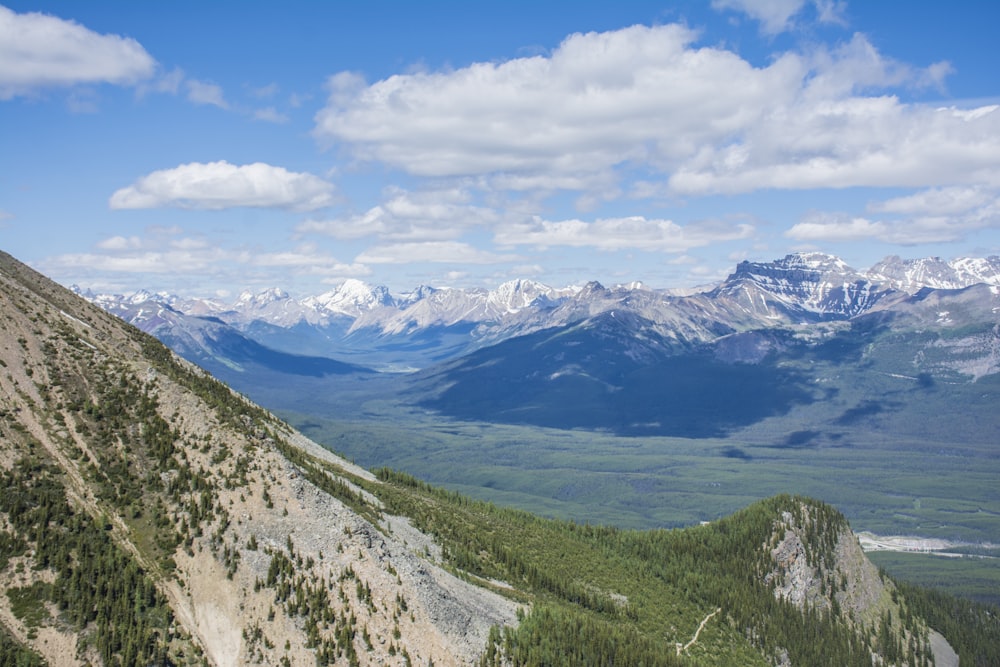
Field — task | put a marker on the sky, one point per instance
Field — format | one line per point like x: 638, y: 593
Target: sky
x: 205, y: 148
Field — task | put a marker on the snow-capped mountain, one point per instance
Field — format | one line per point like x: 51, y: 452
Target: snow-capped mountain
x: 273, y: 306
x: 912, y: 275
x: 371, y: 325
x: 352, y: 298
x: 812, y: 282
x: 451, y: 307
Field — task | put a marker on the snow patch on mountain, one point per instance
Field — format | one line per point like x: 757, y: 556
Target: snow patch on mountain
x: 801, y: 288
x: 912, y: 275
x: 352, y: 298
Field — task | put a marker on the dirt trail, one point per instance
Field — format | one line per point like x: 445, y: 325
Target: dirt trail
x: 681, y: 648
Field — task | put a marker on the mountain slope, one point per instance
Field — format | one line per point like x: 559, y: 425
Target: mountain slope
x: 195, y: 487
x: 214, y: 344
x: 629, y: 375
x: 614, y: 372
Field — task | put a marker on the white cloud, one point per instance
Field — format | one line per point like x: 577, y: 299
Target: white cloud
x: 837, y: 227
x: 774, y: 15
x: 444, y: 252
x: 433, y: 215
x: 168, y: 252
x: 142, y: 261
x: 831, y: 11
x: 165, y: 82
x: 938, y: 201
x: 867, y: 142
x: 601, y: 99
x: 633, y: 232
x: 219, y: 185
x: 933, y: 216
x: 701, y: 120
x: 40, y: 51
x: 203, y: 92
x: 120, y: 243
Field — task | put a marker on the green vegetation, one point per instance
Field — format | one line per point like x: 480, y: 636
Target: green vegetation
x: 972, y: 629
x: 13, y: 654
x: 970, y: 577
x: 882, y: 487
x: 621, y: 589
x: 98, y: 589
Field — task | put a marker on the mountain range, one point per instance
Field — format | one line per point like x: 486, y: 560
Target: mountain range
x: 152, y: 516
x: 595, y: 356
x: 365, y: 324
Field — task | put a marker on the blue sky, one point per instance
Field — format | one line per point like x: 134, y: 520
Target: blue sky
x: 204, y: 148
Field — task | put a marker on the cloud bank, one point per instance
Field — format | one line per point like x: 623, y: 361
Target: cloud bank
x: 696, y: 120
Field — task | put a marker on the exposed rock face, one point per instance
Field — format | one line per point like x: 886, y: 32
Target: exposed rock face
x: 814, y: 282
x: 840, y: 580
x: 807, y: 580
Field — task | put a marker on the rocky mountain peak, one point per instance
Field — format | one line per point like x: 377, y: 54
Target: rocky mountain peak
x: 810, y: 282
x: 514, y: 295
x: 911, y: 275
x: 417, y: 294
x: 262, y: 297
x: 352, y: 297
x: 796, y: 267
x: 592, y: 289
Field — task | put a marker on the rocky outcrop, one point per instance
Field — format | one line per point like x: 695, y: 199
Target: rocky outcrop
x: 833, y: 576
x: 808, y: 579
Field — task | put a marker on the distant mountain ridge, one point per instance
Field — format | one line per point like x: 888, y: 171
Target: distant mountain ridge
x: 812, y: 281
x: 371, y: 326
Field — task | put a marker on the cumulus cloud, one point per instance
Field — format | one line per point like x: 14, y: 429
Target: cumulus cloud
x: 600, y: 100
x: 441, y: 214
x: 219, y: 185
x: 701, y: 120
x: 39, y: 51
x: 938, y: 201
x: 868, y: 142
x: 634, y: 232
x: 120, y: 243
x: 836, y: 227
